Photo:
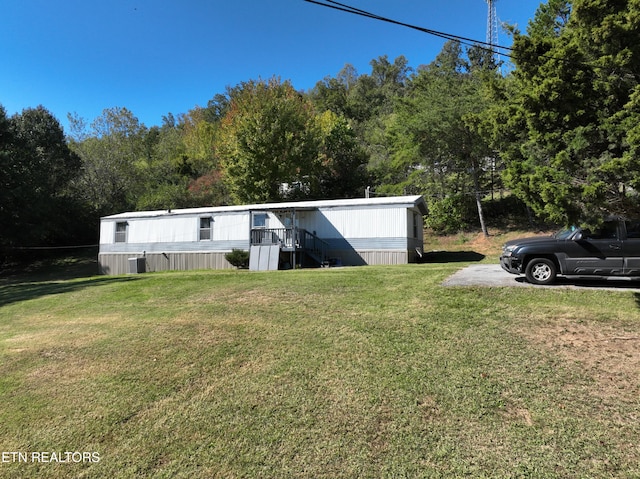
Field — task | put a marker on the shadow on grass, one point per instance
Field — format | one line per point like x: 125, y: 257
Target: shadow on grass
x: 50, y: 267
x: 451, y: 257
x: 25, y: 280
x: 15, y: 292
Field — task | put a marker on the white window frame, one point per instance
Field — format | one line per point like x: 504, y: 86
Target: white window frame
x: 121, y: 234
x: 205, y: 234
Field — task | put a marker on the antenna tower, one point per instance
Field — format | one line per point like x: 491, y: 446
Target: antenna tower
x: 492, y: 29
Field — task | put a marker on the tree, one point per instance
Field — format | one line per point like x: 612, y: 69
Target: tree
x: 342, y: 160
x: 37, y: 206
x: 330, y: 94
x: 8, y: 180
x: 550, y: 19
x: 115, y: 158
x: 374, y: 95
x: 266, y: 140
x: 576, y: 99
x: 371, y: 104
x: 436, y: 149
x: 198, y: 137
x: 182, y: 170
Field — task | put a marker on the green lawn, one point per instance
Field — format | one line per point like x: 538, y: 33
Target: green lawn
x: 346, y: 372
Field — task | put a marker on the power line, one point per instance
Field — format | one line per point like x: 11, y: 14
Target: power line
x: 447, y: 36
x: 488, y: 46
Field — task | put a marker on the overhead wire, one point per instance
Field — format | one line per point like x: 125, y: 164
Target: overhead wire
x: 447, y: 36
x: 493, y: 48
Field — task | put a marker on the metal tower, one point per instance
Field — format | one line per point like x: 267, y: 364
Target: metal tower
x: 492, y: 29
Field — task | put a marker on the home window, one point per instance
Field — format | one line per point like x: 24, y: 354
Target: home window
x: 121, y: 232
x: 260, y: 220
x: 205, y: 228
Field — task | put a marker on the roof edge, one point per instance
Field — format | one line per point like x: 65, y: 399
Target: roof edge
x: 417, y: 201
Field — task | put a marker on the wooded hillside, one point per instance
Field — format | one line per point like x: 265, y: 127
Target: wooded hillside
x: 556, y: 127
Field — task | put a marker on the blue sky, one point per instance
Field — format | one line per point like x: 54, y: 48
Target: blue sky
x: 159, y: 56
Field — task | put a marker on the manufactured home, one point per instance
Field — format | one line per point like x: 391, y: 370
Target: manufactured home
x: 347, y: 232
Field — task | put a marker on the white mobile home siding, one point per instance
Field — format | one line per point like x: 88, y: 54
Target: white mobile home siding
x: 357, y: 232
x: 368, y: 235
x: 379, y: 222
x: 171, y: 241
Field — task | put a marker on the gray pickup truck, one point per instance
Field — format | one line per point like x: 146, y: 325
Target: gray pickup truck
x: 612, y: 250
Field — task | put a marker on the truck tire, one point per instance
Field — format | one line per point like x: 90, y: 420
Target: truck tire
x: 541, y: 271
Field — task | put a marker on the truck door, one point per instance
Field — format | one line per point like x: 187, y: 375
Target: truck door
x: 596, y: 253
x: 631, y: 247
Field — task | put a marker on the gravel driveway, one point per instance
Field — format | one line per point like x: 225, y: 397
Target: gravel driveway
x: 494, y: 275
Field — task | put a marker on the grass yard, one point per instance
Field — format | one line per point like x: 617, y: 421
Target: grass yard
x: 347, y: 372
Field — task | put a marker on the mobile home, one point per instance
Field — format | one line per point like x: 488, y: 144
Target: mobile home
x: 278, y: 235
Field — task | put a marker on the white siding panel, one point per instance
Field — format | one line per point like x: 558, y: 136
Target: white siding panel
x: 166, y: 230
x: 362, y: 223
x: 231, y: 227
x: 274, y: 221
x: 107, y: 232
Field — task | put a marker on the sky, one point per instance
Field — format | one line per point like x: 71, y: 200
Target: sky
x: 156, y: 57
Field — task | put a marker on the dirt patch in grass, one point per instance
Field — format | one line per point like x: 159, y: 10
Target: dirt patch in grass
x: 490, y: 246
x: 609, y: 353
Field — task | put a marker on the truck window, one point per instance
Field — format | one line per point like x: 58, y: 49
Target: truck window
x: 609, y: 230
x: 633, y: 229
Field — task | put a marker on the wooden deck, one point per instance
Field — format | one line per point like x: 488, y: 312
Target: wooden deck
x: 297, y: 241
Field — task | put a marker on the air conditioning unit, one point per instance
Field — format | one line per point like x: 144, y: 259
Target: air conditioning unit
x: 137, y: 265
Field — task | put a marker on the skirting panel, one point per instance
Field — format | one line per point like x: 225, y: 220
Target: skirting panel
x: 384, y: 257
x: 118, y: 263
x: 376, y: 257
x: 110, y: 263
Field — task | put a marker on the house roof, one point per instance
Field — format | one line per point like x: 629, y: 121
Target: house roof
x: 409, y: 201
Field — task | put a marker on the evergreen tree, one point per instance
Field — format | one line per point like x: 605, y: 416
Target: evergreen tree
x: 576, y: 100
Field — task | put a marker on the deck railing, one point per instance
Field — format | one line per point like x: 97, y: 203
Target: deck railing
x: 297, y: 238
x: 282, y: 236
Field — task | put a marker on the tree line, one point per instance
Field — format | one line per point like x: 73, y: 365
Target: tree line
x: 559, y: 132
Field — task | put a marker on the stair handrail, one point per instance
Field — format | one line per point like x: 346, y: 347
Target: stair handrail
x: 318, y: 246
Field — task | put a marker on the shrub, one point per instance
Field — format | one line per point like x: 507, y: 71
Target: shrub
x: 238, y: 258
x: 451, y: 214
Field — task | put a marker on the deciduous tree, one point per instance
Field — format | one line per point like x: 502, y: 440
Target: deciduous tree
x: 342, y: 161
x: 436, y: 151
x: 266, y: 140
x: 37, y: 170
x: 114, y: 156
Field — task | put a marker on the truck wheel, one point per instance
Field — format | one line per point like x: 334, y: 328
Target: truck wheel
x: 541, y: 271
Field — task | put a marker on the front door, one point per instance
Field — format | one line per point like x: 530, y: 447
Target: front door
x: 596, y: 253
